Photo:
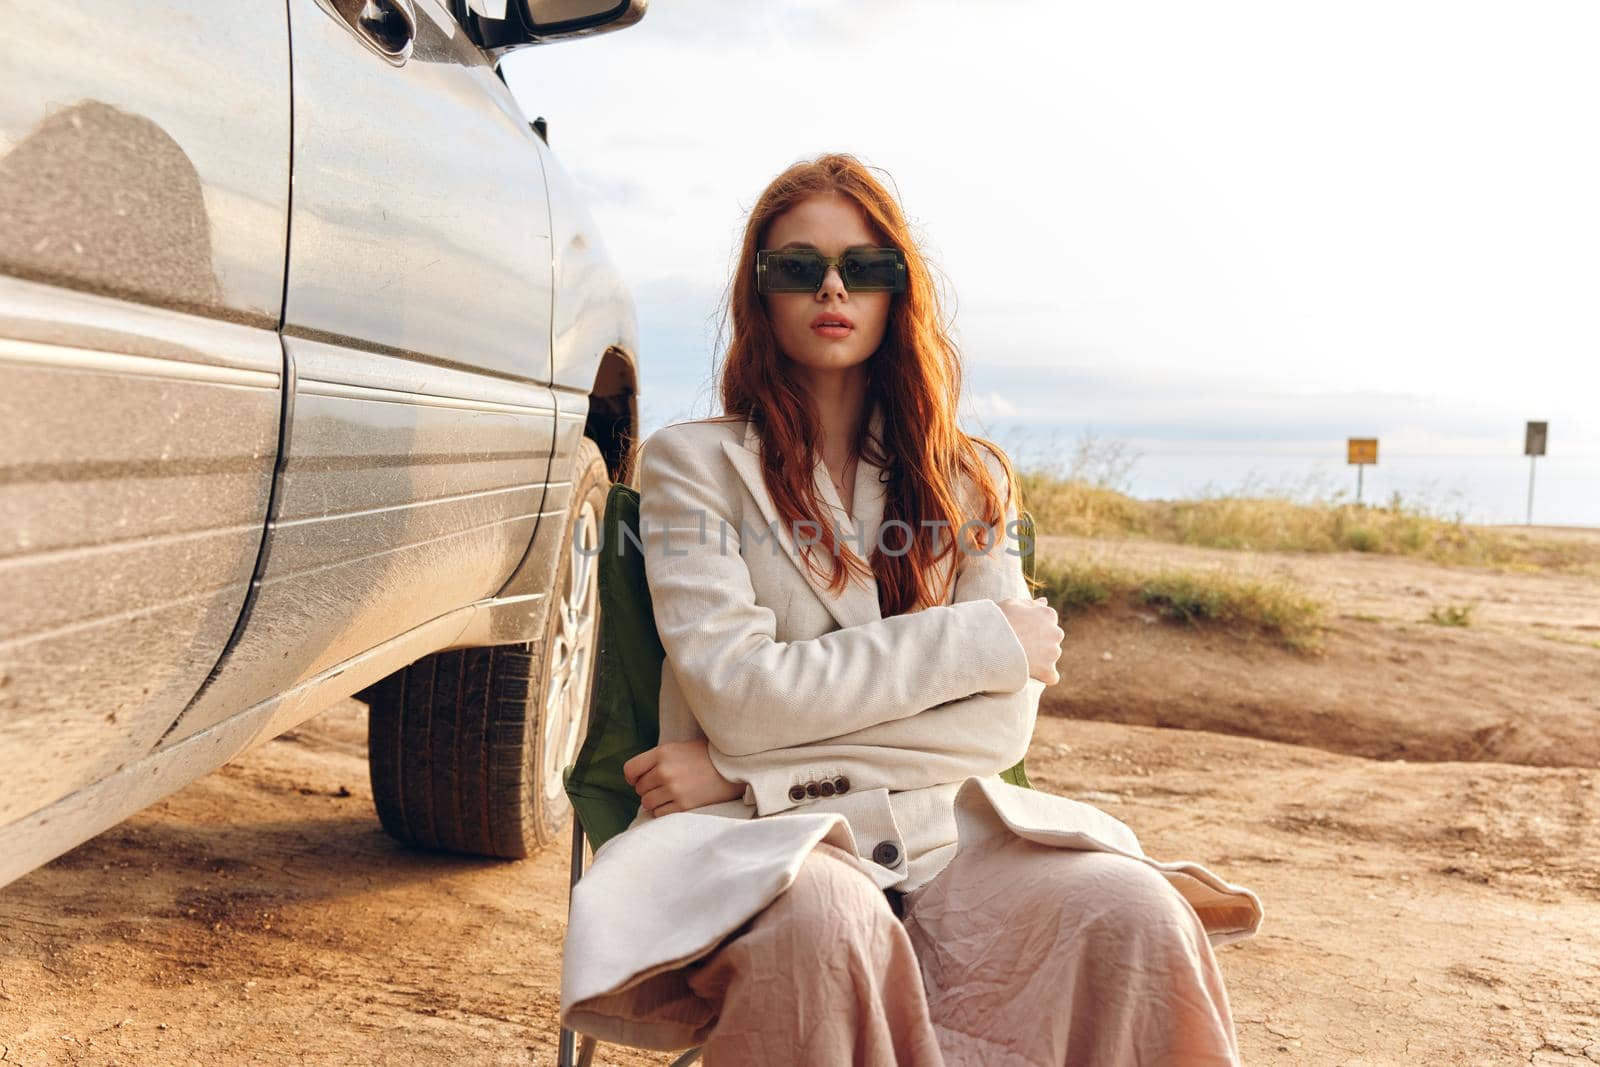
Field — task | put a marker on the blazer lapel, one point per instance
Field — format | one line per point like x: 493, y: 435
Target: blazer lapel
x: 858, y: 603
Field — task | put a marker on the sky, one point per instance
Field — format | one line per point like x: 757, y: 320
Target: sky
x: 1222, y: 237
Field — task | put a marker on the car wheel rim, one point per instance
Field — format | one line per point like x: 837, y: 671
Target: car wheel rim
x: 572, y: 656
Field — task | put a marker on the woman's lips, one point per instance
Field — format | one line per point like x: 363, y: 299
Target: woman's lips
x: 831, y: 330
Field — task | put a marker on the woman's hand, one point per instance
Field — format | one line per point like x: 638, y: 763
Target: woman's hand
x: 678, y: 776
x: 1036, y: 627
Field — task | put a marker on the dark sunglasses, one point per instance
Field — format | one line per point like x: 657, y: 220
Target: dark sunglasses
x: 801, y: 270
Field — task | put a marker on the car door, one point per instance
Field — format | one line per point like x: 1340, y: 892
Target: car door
x: 144, y: 198
x: 417, y: 330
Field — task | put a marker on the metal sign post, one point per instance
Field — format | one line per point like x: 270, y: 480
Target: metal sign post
x: 1533, y: 443
x: 1361, y: 451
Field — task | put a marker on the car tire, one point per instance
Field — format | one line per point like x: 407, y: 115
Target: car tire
x: 467, y: 748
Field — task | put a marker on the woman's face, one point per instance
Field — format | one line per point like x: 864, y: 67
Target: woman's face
x: 830, y: 223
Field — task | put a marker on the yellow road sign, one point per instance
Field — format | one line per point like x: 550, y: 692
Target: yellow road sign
x: 1363, y: 450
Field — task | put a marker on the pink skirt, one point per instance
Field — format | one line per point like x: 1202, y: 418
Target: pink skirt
x: 1015, y: 953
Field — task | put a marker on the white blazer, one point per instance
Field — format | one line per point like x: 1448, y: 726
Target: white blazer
x: 884, y: 736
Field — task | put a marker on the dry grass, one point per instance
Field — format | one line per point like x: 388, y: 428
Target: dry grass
x: 1245, y: 607
x: 1451, y: 615
x: 1279, y: 523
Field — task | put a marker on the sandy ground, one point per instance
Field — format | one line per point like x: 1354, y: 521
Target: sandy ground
x: 1521, y: 684
x: 1418, y: 809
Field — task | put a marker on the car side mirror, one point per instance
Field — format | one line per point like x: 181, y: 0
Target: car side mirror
x: 556, y: 16
x: 500, y: 26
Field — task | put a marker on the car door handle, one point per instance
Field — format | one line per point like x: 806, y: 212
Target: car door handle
x: 389, y: 25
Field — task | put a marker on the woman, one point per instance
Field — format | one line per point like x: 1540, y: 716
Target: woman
x: 866, y: 674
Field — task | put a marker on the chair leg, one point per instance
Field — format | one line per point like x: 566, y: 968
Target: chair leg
x: 577, y: 856
x: 567, y: 1054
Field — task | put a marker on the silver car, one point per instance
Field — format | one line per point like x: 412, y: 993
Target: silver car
x: 313, y: 374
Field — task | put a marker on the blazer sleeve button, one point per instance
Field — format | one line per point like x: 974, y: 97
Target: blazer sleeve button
x: 886, y: 853
x: 811, y: 789
x: 797, y: 792
x: 826, y: 789
x: 842, y: 784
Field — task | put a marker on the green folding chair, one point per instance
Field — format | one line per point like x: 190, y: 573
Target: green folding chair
x: 624, y: 715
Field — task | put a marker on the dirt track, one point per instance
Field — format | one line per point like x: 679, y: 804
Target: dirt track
x: 1416, y: 912
x: 1521, y: 684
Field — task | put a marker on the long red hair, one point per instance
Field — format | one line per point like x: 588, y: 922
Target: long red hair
x: 915, y: 376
